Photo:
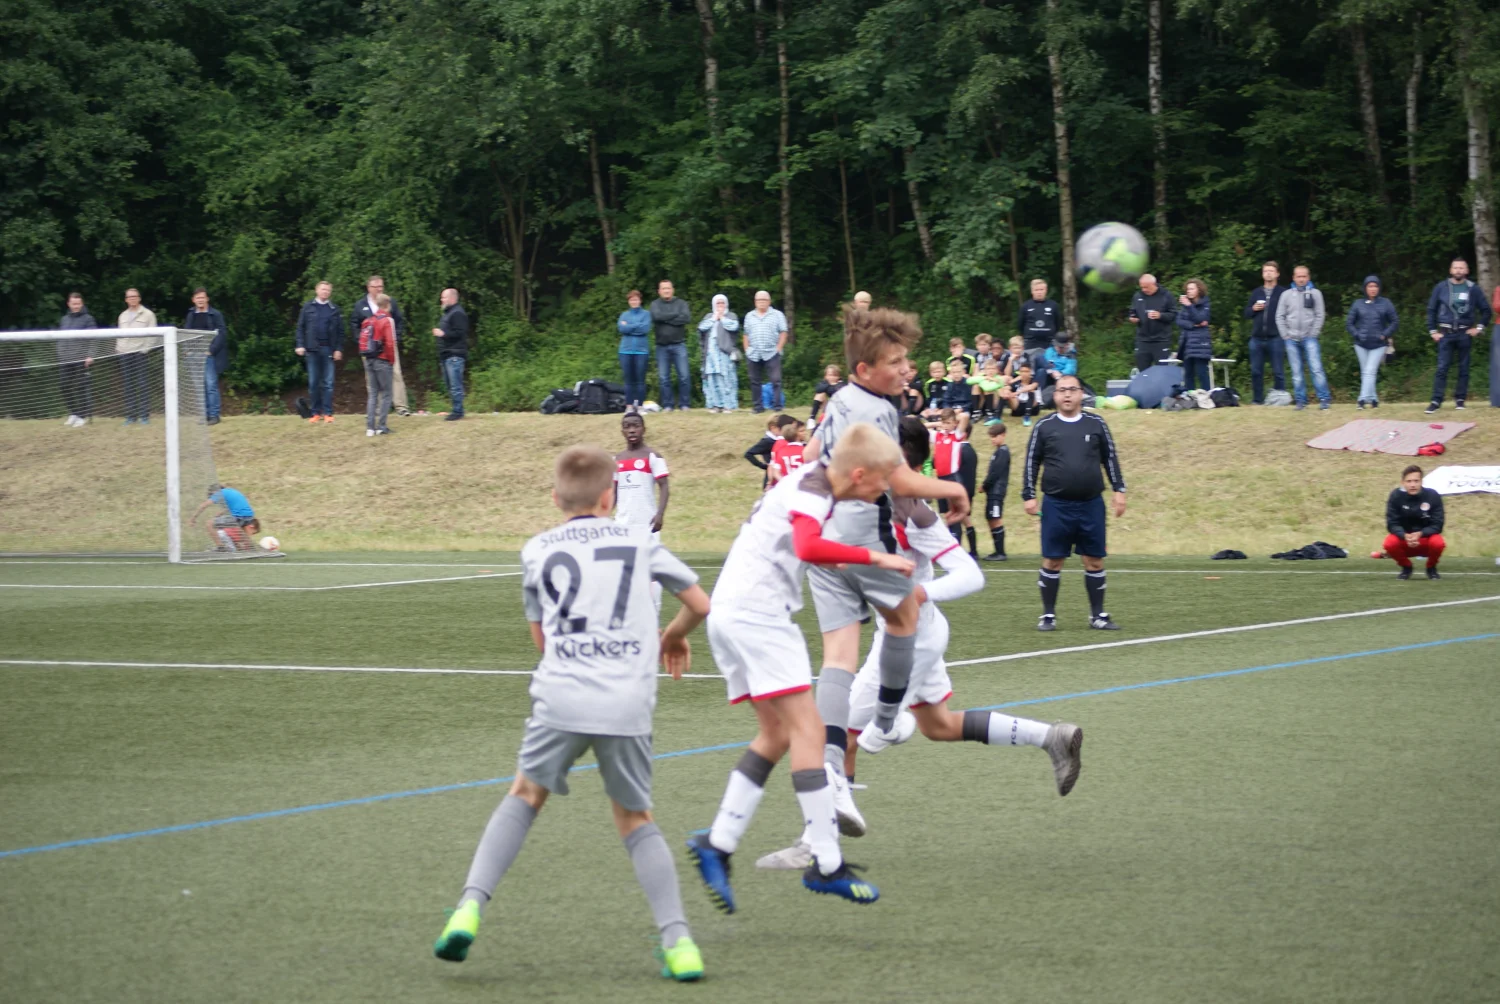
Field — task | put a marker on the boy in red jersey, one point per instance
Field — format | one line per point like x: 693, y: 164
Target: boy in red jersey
x: 786, y: 452
x: 953, y: 459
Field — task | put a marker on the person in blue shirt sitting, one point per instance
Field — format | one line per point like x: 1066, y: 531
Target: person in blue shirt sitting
x: 1060, y: 359
x: 232, y: 529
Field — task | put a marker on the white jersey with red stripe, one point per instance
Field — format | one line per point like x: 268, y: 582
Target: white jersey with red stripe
x: 635, y: 485
x: 947, y: 451
x: 922, y: 537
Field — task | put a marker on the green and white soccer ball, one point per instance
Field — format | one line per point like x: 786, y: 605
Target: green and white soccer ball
x: 1111, y: 257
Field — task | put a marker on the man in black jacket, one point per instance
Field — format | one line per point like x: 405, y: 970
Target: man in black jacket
x: 74, y: 357
x: 671, y: 317
x: 1039, y: 319
x: 1456, y: 312
x: 205, y: 318
x: 1265, y: 340
x: 1072, y: 446
x: 320, y: 341
x: 1153, y: 310
x: 1414, y: 524
x: 452, y: 334
x: 365, y: 307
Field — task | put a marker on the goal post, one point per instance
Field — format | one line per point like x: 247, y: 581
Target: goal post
x: 105, y: 449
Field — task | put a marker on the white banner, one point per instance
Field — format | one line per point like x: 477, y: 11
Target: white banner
x: 1458, y: 480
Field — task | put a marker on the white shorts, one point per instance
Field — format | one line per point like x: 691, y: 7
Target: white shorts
x: 761, y: 656
x: 929, y: 683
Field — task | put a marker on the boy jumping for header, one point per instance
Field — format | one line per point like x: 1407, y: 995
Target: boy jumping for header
x: 585, y: 590
x: 764, y: 659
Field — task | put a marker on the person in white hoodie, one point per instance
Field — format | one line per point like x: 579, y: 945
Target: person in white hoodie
x: 1299, y: 320
x: 135, y: 366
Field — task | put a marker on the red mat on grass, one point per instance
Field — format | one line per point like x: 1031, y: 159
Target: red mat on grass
x: 1373, y: 435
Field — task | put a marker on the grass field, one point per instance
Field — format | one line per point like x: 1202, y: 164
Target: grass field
x: 1299, y: 806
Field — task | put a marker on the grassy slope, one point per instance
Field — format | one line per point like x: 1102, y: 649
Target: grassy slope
x: 1200, y: 481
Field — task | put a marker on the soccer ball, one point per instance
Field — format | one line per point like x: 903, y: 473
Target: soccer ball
x: 1111, y: 256
x: 270, y: 543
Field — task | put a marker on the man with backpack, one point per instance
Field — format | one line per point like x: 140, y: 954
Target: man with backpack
x: 1456, y: 312
x: 377, y: 347
x: 364, y: 308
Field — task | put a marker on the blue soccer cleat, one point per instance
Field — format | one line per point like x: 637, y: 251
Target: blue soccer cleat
x: 713, y: 868
x: 841, y: 883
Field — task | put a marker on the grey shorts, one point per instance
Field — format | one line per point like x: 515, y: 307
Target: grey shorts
x: 841, y: 595
x: 625, y: 762
x: 228, y: 520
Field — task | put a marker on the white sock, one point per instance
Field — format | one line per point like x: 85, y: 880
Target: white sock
x: 820, y: 823
x: 1008, y: 731
x: 735, y: 812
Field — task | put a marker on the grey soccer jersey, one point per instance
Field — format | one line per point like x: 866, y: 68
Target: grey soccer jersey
x: 854, y: 404
x: 587, y: 583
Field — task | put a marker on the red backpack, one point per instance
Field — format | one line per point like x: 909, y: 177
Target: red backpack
x: 369, y: 346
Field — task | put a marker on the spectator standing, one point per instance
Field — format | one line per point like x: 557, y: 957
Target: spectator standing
x: 764, y: 336
x: 134, y: 366
x: 320, y: 342
x: 74, y: 357
x: 1039, y: 318
x: 1372, y: 323
x: 634, y: 325
x: 452, y: 334
x: 1495, y: 350
x: 862, y: 300
x: 671, y: 317
x: 831, y: 384
x: 205, y: 318
x: 1153, y: 311
x: 365, y: 308
x: 1456, y: 312
x: 377, y: 345
x: 1265, y: 340
x: 1299, y: 319
x: 1195, y: 344
x: 1414, y: 524
x: 721, y: 384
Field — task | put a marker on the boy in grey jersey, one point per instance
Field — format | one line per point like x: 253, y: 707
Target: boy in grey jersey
x: 586, y: 590
x: 876, y: 343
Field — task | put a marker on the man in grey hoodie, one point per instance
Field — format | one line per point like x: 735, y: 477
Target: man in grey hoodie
x: 74, y: 357
x: 1299, y: 319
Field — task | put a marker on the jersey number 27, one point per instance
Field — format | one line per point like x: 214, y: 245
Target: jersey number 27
x: 567, y: 623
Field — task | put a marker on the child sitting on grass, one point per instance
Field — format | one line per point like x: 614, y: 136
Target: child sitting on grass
x: 987, y: 387
x: 933, y: 388
x: 1025, y: 395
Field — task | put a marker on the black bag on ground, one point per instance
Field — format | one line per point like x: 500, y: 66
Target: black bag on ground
x: 560, y: 402
x: 1317, y: 550
x: 599, y: 397
x: 304, y: 407
x: 1225, y: 397
x: 1229, y: 554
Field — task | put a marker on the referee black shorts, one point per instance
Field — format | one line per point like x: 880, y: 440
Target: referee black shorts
x: 1070, y: 527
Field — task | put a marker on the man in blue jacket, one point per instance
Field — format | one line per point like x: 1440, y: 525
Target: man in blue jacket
x: 1456, y: 312
x: 1265, y: 340
x: 205, y: 318
x: 320, y: 341
x: 1372, y: 323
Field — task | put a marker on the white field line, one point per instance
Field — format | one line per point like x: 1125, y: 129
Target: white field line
x: 1224, y: 630
x: 714, y: 676
x: 270, y: 589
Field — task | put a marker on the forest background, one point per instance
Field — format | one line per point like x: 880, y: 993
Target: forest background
x: 545, y: 156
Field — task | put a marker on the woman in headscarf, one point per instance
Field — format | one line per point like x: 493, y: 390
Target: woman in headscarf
x: 721, y: 383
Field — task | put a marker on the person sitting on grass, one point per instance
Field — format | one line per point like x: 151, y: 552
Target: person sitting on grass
x: 1013, y: 357
x: 1060, y: 359
x: 1025, y: 395
x: 984, y: 349
x: 1414, y: 519
x: 987, y: 387
x: 934, y: 387
x: 831, y: 384
x: 957, y: 394
x: 233, y: 529
x: 958, y: 353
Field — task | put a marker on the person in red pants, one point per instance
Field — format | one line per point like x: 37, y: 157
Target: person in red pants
x: 1414, y: 519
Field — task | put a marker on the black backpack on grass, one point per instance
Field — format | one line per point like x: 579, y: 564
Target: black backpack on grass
x: 599, y: 397
x: 561, y: 401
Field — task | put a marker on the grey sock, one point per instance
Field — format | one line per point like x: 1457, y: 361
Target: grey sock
x: 497, y: 849
x: 896, y: 653
x: 833, y: 707
x: 657, y: 875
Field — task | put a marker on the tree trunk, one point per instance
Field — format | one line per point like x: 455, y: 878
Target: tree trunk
x: 606, y: 228
x: 788, y: 293
x: 844, y: 215
x: 760, y: 29
x: 515, y: 239
x: 706, y: 32
x: 1064, y: 178
x: 1367, y: 111
x: 1015, y: 257
x: 1158, y: 126
x: 1481, y: 177
x: 1413, y: 85
x: 923, y: 233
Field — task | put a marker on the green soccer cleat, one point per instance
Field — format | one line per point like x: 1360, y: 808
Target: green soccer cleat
x: 682, y: 962
x: 453, y: 944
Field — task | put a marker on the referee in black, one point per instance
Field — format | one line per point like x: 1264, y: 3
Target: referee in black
x: 1072, y: 446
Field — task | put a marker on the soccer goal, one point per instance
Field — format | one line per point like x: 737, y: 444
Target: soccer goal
x: 104, y: 450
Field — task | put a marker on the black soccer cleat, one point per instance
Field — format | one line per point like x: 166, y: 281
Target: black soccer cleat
x: 1405, y: 573
x: 1432, y: 573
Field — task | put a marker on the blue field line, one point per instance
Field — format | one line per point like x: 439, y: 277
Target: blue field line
x: 442, y: 788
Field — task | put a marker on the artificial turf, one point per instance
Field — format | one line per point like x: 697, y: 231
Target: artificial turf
x: 1324, y: 830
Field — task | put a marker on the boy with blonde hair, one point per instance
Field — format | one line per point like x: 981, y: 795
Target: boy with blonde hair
x: 586, y: 590
x: 764, y: 659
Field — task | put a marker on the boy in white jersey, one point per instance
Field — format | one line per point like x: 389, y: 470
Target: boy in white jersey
x: 875, y: 345
x: 764, y: 658
x: 584, y: 586
x: 921, y: 537
x: 640, y: 475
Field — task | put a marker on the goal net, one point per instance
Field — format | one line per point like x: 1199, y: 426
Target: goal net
x: 104, y: 449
